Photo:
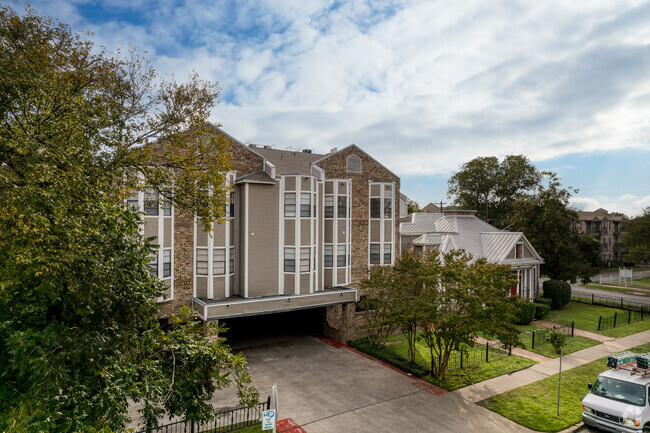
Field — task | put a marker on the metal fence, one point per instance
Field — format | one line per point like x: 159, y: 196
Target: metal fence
x: 615, y: 278
x: 539, y: 337
x: 464, y: 357
x: 224, y: 421
x: 620, y: 319
x: 611, y: 301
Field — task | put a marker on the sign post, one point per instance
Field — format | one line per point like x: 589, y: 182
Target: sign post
x: 270, y: 417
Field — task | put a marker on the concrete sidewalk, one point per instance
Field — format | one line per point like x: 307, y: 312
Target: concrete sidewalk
x: 501, y: 384
x: 580, y: 332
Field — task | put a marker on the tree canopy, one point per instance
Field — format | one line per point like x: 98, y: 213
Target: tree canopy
x: 550, y: 225
x: 490, y: 187
x: 78, y: 328
x: 637, y: 238
x: 447, y: 300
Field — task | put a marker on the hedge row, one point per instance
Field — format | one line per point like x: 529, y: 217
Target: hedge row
x: 389, y: 357
x: 559, y: 292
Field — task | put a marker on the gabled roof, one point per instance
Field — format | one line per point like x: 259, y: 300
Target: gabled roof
x: 356, y: 148
x: 468, y: 233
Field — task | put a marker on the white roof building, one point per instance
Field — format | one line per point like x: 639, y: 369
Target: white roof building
x: 462, y: 231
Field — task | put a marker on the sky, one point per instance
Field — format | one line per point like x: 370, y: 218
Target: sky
x: 422, y: 86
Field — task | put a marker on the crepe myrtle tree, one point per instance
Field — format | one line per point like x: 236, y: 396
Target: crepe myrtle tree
x: 444, y: 299
x: 78, y: 329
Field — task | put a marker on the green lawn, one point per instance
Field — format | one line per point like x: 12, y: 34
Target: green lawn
x: 534, y: 405
x: 586, y: 317
x: 572, y: 345
x: 468, y: 375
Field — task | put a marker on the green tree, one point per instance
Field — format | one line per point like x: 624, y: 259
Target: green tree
x: 447, y: 299
x: 490, y: 187
x: 78, y: 328
x: 413, y: 207
x: 550, y: 225
x: 469, y: 298
x: 636, y: 239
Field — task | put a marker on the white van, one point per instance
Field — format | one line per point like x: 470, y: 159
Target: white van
x: 618, y: 402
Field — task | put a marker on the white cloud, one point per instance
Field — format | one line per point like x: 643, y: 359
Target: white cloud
x: 423, y: 86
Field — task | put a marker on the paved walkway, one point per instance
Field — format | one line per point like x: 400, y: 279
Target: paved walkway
x: 489, y: 388
x: 520, y: 352
x: 580, y: 332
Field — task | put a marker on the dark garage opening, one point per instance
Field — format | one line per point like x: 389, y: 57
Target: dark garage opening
x: 267, y: 328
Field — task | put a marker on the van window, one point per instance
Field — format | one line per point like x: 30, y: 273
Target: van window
x: 619, y: 390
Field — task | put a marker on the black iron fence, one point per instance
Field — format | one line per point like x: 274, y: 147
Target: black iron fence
x: 224, y: 421
x: 539, y: 337
x: 464, y: 357
x: 611, y: 301
x: 623, y: 318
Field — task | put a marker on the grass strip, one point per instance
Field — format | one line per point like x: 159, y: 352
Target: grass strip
x: 546, y: 349
x: 534, y: 406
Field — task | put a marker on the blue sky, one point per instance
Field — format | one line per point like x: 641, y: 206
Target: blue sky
x: 423, y: 86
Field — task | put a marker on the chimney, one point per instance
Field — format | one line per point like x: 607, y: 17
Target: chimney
x: 334, y: 150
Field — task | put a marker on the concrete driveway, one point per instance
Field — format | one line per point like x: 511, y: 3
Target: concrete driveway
x: 327, y: 389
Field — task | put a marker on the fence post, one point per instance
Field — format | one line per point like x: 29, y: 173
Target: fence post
x: 461, y: 358
x: 592, y: 299
x: 533, y: 338
x: 268, y: 403
x: 621, y: 302
x: 629, y: 317
x: 600, y: 318
x: 615, y: 314
x: 192, y: 427
x: 572, y: 328
x: 487, y: 351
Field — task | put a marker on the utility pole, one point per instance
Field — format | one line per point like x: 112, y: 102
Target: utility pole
x: 441, y: 203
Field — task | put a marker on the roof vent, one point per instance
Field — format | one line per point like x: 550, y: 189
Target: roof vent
x: 306, y: 151
x: 333, y: 150
x: 267, y: 146
x: 252, y: 145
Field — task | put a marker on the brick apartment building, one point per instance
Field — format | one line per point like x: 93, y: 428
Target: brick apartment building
x: 607, y: 228
x: 302, y: 231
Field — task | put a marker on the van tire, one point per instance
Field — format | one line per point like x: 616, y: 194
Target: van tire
x: 646, y: 428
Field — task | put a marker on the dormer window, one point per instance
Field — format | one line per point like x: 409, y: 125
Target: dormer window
x: 353, y: 164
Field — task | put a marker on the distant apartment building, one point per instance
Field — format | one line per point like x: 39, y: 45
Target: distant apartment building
x: 607, y: 228
x: 301, y: 232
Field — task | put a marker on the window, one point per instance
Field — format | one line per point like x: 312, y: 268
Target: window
x: 342, y: 207
x: 201, y: 261
x: 150, y: 202
x: 232, y: 205
x: 353, y: 164
x: 290, y: 205
x: 519, y: 251
x: 167, y: 203
x: 167, y: 262
x: 133, y: 201
x: 329, y: 206
x: 305, y: 260
x: 387, y: 253
x: 289, y: 260
x: 375, y: 207
x: 328, y: 256
x: 232, y: 260
x: 152, y: 266
x: 375, y: 254
x: 388, y: 208
x: 340, y: 256
x: 218, y: 261
x: 305, y: 205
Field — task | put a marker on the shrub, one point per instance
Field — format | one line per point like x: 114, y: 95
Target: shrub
x: 545, y: 301
x: 541, y: 310
x: 559, y: 292
x: 525, y: 312
x: 557, y: 339
x: 389, y: 357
